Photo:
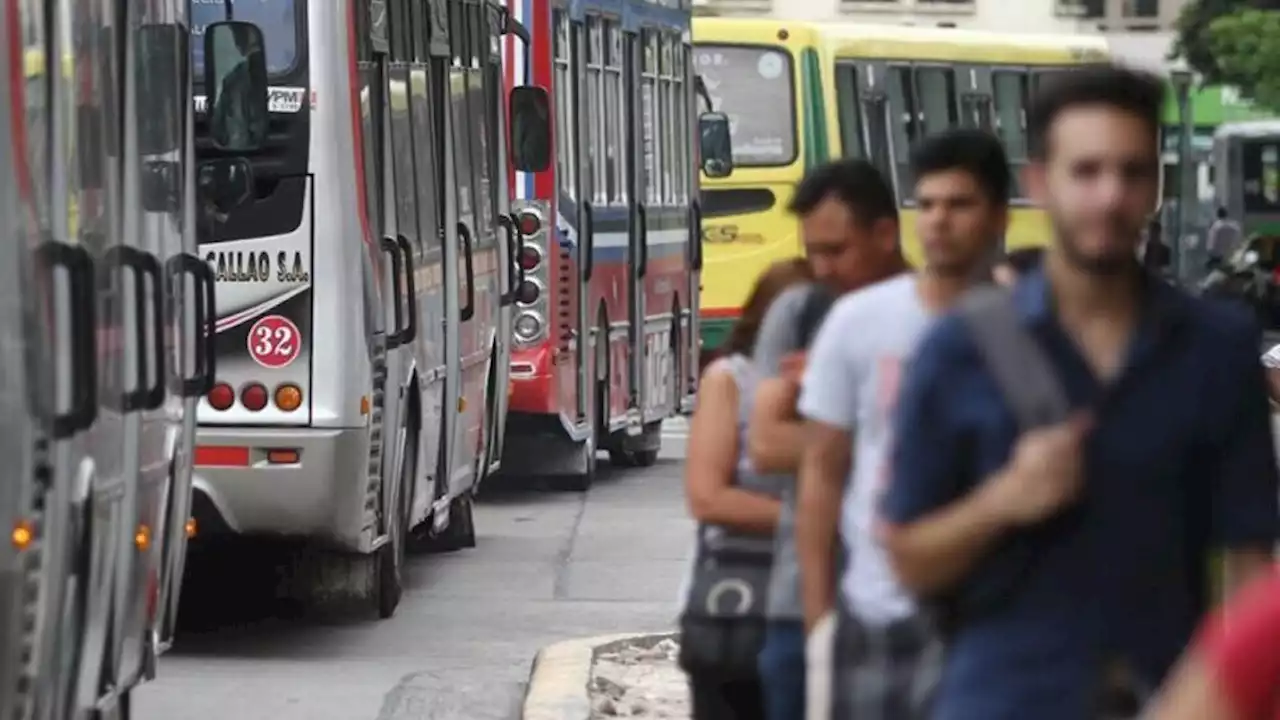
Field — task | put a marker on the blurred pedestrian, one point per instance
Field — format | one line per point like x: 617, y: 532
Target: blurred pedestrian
x: 1225, y: 237
x: 1233, y: 670
x: 1015, y: 264
x: 723, y: 622
x: 849, y: 219
x: 1070, y: 553
x: 886, y: 653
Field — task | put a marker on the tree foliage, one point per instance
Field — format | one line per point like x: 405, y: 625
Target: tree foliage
x: 1234, y: 42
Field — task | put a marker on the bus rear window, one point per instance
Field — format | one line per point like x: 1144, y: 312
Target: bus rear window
x: 754, y: 86
x: 277, y: 18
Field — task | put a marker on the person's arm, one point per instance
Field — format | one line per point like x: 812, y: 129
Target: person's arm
x: 774, y: 427
x: 1233, y: 668
x: 829, y: 403
x: 775, y: 434
x: 713, y: 457
x: 1243, y: 476
x: 935, y: 527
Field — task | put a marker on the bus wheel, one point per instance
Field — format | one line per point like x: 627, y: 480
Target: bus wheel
x: 646, y: 455
x: 391, y: 556
x: 580, y: 481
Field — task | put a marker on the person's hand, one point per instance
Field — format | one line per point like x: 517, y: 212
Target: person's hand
x: 1045, y: 474
x: 792, y: 366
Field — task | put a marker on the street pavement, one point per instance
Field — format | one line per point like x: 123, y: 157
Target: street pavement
x: 548, y: 566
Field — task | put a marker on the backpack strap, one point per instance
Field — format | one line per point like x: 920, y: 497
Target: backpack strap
x: 1026, y: 378
x: 817, y: 301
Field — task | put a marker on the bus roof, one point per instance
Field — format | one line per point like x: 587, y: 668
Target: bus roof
x: 754, y: 31
x: 1251, y: 128
x: 890, y: 42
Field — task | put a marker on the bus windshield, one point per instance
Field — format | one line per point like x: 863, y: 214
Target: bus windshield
x: 1260, y: 168
x: 277, y: 18
x: 753, y: 86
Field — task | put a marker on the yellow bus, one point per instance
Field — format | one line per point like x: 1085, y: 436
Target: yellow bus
x: 890, y: 86
x: 766, y: 76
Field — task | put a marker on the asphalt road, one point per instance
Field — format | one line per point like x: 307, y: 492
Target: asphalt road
x: 548, y: 566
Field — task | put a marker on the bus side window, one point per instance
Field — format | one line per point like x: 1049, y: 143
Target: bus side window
x: 370, y: 44
x: 904, y: 125
x: 849, y: 104
x: 461, y: 123
x: 649, y: 116
x: 1010, y: 91
x: 478, y: 128
x: 403, y: 150
x: 665, y: 124
x: 594, y: 112
x: 937, y: 99
x: 423, y: 98
x: 562, y: 88
x: 615, y: 115
x: 681, y: 120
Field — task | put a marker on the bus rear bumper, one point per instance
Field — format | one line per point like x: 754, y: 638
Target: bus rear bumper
x: 297, y: 482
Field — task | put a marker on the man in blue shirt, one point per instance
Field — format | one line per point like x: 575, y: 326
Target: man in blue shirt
x: 1072, y: 557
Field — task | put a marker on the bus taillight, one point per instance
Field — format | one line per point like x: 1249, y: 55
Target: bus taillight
x: 530, y: 223
x: 254, y: 397
x: 530, y: 258
x: 222, y: 397
x: 529, y: 292
x: 288, y: 397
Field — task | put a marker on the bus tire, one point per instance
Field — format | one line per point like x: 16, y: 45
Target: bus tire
x: 579, y: 481
x: 391, y: 556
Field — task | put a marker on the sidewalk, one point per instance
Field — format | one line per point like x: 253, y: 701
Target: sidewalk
x: 606, y: 677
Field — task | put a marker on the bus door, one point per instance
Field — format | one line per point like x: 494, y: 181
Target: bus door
x: 475, y: 241
x: 641, y: 162
x: 509, y: 241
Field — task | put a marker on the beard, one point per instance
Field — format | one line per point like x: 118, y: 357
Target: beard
x: 1108, y: 264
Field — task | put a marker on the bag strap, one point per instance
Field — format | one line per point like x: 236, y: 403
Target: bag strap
x: 1026, y: 378
x: 817, y: 301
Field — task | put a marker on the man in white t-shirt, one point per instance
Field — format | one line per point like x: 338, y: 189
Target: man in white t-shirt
x: 885, y: 654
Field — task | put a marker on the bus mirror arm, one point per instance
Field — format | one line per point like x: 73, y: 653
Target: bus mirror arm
x: 514, y: 273
x: 512, y: 26
x: 179, y: 267
x: 468, y: 311
x: 700, y: 87
x: 395, y: 334
x: 410, y: 332
x: 78, y: 264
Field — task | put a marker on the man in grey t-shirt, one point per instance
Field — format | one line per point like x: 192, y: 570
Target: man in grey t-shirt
x: 849, y: 219
x: 1224, y: 239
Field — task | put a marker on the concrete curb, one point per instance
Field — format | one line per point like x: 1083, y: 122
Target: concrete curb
x: 561, y: 675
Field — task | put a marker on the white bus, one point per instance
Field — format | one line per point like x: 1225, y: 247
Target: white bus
x: 114, y: 309
x: 360, y: 289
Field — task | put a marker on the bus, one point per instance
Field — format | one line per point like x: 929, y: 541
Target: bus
x: 766, y: 75
x: 1246, y: 163
x: 361, y: 284
x: 110, y: 324
x: 606, y: 311
x: 891, y: 86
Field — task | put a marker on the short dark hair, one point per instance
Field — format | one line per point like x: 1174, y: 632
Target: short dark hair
x: 976, y: 152
x: 855, y: 183
x: 1133, y: 91
x: 1222, y: 213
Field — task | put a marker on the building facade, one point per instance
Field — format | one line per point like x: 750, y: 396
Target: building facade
x: 1046, y: 16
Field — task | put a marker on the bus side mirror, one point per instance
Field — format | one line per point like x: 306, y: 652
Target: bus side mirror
x: 225, y: 183
x: 530, y: 109
x: 716, y: 145
x: 235, y: 75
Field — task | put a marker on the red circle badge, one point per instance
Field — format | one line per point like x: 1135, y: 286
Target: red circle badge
x: 274, y: 342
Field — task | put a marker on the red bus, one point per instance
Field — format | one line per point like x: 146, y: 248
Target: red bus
x: 604, y: 336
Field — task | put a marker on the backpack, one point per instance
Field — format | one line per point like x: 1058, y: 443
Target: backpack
x: 814, y: 310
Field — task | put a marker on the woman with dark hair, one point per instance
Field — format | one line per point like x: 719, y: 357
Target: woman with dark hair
x: 723, y: 620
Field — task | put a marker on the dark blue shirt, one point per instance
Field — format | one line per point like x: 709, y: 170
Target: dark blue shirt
x: 1180, y: 461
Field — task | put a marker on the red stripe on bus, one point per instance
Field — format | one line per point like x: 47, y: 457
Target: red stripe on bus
x: 357, y: 128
